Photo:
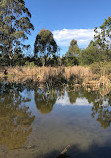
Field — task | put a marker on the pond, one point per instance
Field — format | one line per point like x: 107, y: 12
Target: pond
x: 39, y: 121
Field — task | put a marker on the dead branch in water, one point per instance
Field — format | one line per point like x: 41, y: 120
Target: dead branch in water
x: 62, y: 154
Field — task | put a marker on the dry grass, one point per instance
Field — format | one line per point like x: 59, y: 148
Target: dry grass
x: 58, y: 75
x: 78, y: 70
x: 44, y: 73
x: 102, y: 84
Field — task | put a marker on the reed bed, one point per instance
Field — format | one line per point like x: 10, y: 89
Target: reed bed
x: 42, y: 74
x: 59, y: 76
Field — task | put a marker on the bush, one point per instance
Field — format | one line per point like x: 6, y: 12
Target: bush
x: 103, y: 68
x: 29, y: 64
x: 108, y: 68
x: 96, y: 67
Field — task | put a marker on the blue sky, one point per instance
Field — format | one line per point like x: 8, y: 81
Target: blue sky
x: 68, y: 19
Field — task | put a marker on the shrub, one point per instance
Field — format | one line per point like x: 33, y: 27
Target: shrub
x: 108, y: 68
x: 29, y: 64
x: 96, y: 67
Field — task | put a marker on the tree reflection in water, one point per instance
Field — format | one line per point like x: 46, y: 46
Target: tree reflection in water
x: 101, y: 112
x: 15, y: 120
x: 46, y: 97
x: 73, y: 94
x: 45, y: 100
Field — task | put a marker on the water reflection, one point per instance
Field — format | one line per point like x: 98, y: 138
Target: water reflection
x: 74, y: 124
x: 45, y: 100
x: 101, y: 109
x: 15, y: 118
x: 73, y: 94
x: 13, y: 115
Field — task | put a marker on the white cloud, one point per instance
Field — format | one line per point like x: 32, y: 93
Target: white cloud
x: 83, y: 36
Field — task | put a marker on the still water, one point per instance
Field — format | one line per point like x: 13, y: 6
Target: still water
x: 39, y: 122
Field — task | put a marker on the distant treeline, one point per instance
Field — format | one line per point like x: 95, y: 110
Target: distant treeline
x: 74, y: 56
x: 15, y: 26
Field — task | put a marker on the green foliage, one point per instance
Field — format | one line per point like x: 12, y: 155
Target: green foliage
x: 73, y: 49
x: 103, y: 36
x: 92, y: 43
x: 14, y: 26
x: 70, y: 61
x: 29, y: 64
x: 18, y: 59
x: 94, y: 54
x: 4, y: 60
x: 102, y: 68
x: 108, y: 68
x: 96, y: 67
x: 90, y: 55
x: 98, y: 50
x: 71, y: 57
x: 45, y: 46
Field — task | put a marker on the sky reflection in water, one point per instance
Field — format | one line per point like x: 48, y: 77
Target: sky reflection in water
x: 41, y: 122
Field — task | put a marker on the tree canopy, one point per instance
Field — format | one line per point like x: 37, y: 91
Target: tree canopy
x: 73, y: 49
x: 103, y: 34
x: 71, y: 56
x: 14, y: 25
x: 45, y: 45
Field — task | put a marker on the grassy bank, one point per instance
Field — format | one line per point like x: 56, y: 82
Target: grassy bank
x: 74, y: 77
x: 51, y: 76
x: 43, y: 74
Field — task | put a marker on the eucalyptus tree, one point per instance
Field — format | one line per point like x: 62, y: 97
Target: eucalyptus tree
x: 45, y: 46
x: 103, y: 35
x: 73, y: 49
x: 72, y: 54
x: 15, y: 26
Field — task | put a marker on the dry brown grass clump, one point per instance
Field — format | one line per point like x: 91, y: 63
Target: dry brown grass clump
x: 45, y: 73
x: 102, y: 84
x: 77, y: 70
